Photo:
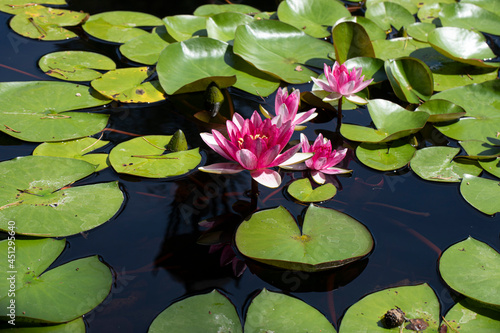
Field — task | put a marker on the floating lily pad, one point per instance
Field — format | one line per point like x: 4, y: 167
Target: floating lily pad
x: 328, y: 239
x: 438, y: 164
x: 192, y: 65
x: 302, y: 190
x: 75, y: 65
x: 58, y: 295
x: 45, y: 23
x: 223, y: 26
x: 387, y: 14
x: 456, y: 74
x: 19, y: 6
x: 351, y: 40
x: 209, y: 10
x: 410, y: 79
x: 211, y: 312
x: 467, y: 317
x: 491, y: 5
x: 274, y: 312
x: 385, y: 156
x: 409, y: 5
x: 417, y: 302
x: 373, y: 30
x: 420, y: 30
x: 74, y: 326
x: 470, y: 16
x: 441, y: 110
x: 281, y: 49
x: 36, y: 111
x: 119, y: 26
x: 397, y: 47
x: 483, y: 194
x: 78, y: 149
x: 184, y: 27
x: 465, y: 263
x: 128, y: 85
x: 373, y: 68
x: 36, y: 192
x: 146, y: 49
x: 491, y: 166
x: 481, y: 150
x: 148, y: 156
x: 391, y: 120
x: 312, y: 17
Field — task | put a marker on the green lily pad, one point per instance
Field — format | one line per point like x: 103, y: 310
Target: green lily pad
x: 481, y: 150
x: 328, y: 239
x: 184, y: 27
x: 281, y: 50
x: 75, y: 65
x: 410, y: 79
x: 223, y: 26
x: 312, y: 17
x: 420, y: 30
x: 119, y: 26
x: 455, y: 74
x: 351, y: 40
x: 302, y: 190
x: 128, y: 85
x: 45, y: 23
x: 391, y: 120
x: 148, y: 156
x: 397, y: 47
x: 462, y: 45
x: 491, y: 166
x: 387, y: 14
x: 146, y: 49
x: 74, y: 326
x: 36, y: 192
x: 19, y: 6
x: 491, y: 5
x: 441, y: 110
x: 470, y: 16
x: 385, y: 156
x: 78, y: 149
x: 438, y: 164
x: 465, y: 263
x: 429, y: 13
x: 373, y: 68
x: 58, y: 295
x: 210, y: 10
x: 482, y: 103
x: 373, y: 30
x: 467, y: 317
x: 417, y: 302
x: 192, y: 65
x: 409, y: 5
x: 211, y: 312
x: 481, y: 193
x: 274, y: 312
x: 36, y: 111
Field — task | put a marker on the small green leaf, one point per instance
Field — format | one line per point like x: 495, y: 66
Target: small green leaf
x: 385, y: 156
x: 146, y: 49
x: 302, y: 190
x: 483, y: 194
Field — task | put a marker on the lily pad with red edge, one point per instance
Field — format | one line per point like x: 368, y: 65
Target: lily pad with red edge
x: 417, y: 302
x: 385, y: 156
x: 36, y: 193
x: 387, y: 14
x: 302, y: 190
x: 441, y: 110
x: 275, y: 312
x: 211, y: 312
x: 57, y: 295
x: 467, y: 317
x: 465, y: 263
x: 351, y: 40
x: 483, y: 194
x: 328, y: 239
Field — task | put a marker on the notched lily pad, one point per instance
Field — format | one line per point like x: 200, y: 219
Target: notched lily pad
x: 328, y: 239
x: 302, y: 190
x: 483, y: 194
x: 385, y: 156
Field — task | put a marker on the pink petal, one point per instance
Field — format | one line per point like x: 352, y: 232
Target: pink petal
x: 297, y: 158
x: 267, y: 158
x: 318, y: 177
x: 266, y: 177
x: 286, y: 155
x: 247, y: 159
x: 222, y: 168
x: 306, y: 148
x: 238, y: 120
x: 322, y: 84
x: 227, y: 146
x: 335, y: 171
x: 212, y: 143
x: 356, y: 99
x: 303, y: 117
x: 295, y: 167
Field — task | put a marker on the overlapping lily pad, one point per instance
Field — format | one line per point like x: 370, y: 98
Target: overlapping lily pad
x: 146, y: 49
x: 281, y: 50
x: 223, y: 26
x: 470, y: 16
x: 417, y: 302
x: 387, y: 14
x: 492, y: 166
x: 59, y: 295
x: 184, y: 27
x: 75, y: 65
x: 19, y: 6
x: 351, y: 40
x: 456, y: 74
x: 481, y: 150
x: 410, y: 78
x: 148, y: 156
x: 372, y: 68
x: 302, y: 190
x: 465, y: 263
x: 385, y: 156
x: 386, y: 49
x: 467, y: 317
x: 409, y: 5
x: 328, y: 239
x: 37, y: 111
x: 273, y: 312
x: 209, y: 10
x: 420, y: 30
x: 211, y: 312
x: 373, y: 30
x: 481, y: 193
x: 74, y: 326
x: 36, y: 193
x: 441, y: 110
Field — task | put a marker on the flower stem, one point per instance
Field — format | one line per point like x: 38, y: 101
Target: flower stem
x: 254, y: 195
x: 339, y: 115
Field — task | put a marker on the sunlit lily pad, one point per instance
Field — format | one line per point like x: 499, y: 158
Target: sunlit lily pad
x: 491, y: 5
x: 302, y: 190
x: 146, y: 49
x: 46, y: 23
x: 148, y: 156
x: 58, y: 295
x: 409, y: 5
x: 74, y: 326
x: 385, y: 156
x: 466, y: 317
x: 420, y: 30
x: 465, y: 263
x: 223, y: 26
x: 328, y: 239
x: 491, y: 166
x: 312, y: 17
x: 429, y: 13
x: 470, y: 16
x: 78, y: 149
x: 373, y: 68
x: 481, y: 150
x: 410, y: 79
x: 119, y: 26
x: 417, y: 302
x: 75, y: 65
x: 211, y: 312
x: 483, y: 194
x: 183, y: 27
x: 19, y: 6
x: 281, y: 49
x: 209, y: 10
x: 351, y: 40
x: 456, y: 74
x: 36, y: 111
x: 387, y: 14
x: 373, y: 30
x: 392, y: 122
x: 274, y: 312
x: 397, y: 47
x: 128, y: 85
x: 36, y: 192
x: 441, y: 110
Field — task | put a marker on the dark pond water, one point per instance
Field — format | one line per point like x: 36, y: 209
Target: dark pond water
x: 151, y: 244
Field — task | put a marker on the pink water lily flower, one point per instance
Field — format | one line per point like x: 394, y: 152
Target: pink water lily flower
x: 342, y: 82
x: 323, y: 161
x: 286, y: 105
x: 254, y: 145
